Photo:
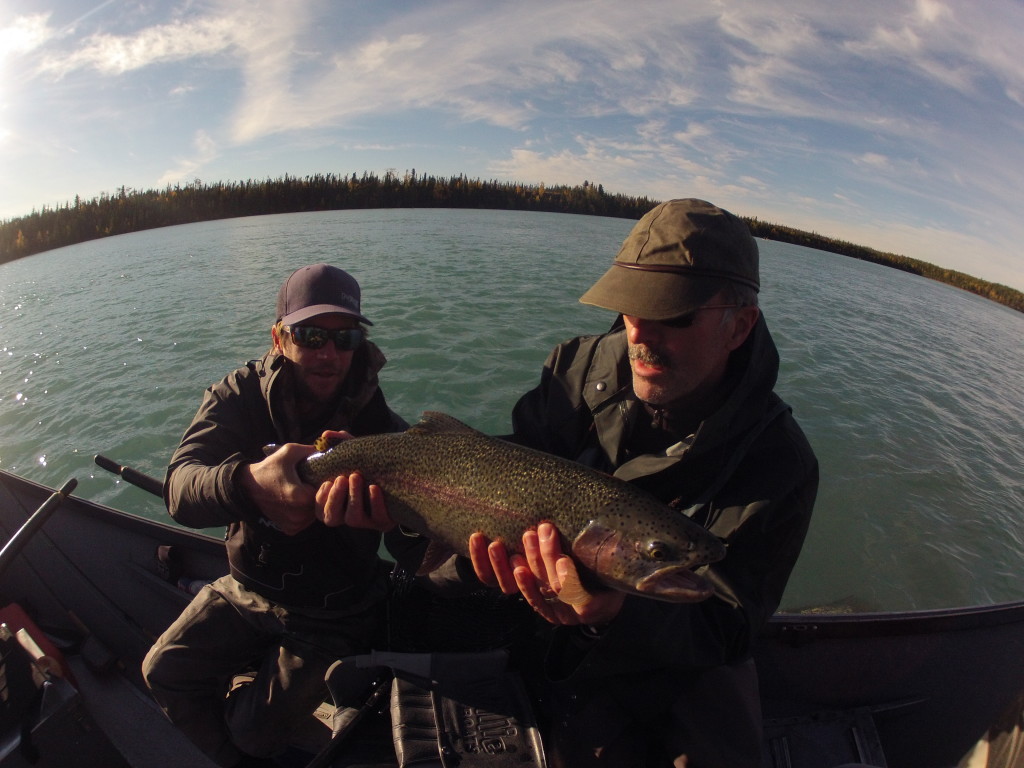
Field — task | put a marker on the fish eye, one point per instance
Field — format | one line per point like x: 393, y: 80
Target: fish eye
x: 657, y: 550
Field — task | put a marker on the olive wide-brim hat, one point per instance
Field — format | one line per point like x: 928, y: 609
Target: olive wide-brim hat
x: 677, y: 257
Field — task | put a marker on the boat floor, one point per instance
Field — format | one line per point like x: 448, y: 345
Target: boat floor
x: 146, y: 737
x: 127, y: 719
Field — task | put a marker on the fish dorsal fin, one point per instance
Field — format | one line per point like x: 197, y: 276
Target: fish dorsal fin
x: 437, y: 423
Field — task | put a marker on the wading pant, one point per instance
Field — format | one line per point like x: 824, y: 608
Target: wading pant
x: 227, y: 629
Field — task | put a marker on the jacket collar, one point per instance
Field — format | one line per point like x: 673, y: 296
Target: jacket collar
x: 275, y: 373
x: 608, y: 393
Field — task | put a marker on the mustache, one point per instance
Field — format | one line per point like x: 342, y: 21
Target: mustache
x: 647, y: 355
x: 322, y: 370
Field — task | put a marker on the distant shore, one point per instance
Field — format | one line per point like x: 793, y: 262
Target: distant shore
x: 129, y: 210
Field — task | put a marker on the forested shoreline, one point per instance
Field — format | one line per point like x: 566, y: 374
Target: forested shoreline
x: 129, y: 210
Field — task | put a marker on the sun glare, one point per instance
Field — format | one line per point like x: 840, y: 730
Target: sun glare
x: 24, y: 34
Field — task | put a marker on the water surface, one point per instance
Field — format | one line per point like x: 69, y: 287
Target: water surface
x: 911, y: 392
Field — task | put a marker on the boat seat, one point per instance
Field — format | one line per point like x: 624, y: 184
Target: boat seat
x: 843, y: 739
x: 44, y: 719
x: 451, y: 709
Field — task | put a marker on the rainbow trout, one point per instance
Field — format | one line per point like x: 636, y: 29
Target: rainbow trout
x: 446, y: 481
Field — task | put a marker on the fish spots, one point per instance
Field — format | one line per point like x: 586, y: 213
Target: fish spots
x: 448, y: 484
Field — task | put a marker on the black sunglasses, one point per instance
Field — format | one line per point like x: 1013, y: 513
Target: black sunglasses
x: 311, y: 337
x: 685, y: 321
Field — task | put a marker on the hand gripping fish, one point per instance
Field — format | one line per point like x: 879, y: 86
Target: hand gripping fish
x: 446, y: 481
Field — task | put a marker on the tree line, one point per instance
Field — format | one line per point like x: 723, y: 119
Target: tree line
x: 130, y: 210
x: 997, y: 292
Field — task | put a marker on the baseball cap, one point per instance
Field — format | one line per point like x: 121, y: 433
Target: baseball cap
x: 679, y: 255
x: 317, y: 290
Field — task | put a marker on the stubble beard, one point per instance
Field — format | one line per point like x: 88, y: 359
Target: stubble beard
x: 316, y: 392
x: 646, y: 388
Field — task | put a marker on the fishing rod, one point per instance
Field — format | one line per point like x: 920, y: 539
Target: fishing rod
x: 129, y: 475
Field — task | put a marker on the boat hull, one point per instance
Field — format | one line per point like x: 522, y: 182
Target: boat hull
x: 910, y: 690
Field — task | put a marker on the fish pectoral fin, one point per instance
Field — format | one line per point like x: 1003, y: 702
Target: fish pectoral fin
x: 437, y: 423
x: 572, y: 591
x: 437, y: 554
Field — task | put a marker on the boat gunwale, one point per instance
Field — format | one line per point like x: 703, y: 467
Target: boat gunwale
x: 781, y: 625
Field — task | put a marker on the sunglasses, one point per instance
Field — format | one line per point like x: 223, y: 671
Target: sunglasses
x: 311, y: 337
x: 685, y: 321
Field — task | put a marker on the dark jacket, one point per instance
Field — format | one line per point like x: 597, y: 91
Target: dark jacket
x: 321, y: 568
x: 747, y: 473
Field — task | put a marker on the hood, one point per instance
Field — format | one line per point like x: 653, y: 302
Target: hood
x: 753, y: 370
x: 362, y: 383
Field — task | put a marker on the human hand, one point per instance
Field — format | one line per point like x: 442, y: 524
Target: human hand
x: 546, y: 577
x: 274, y: 487
x: 344, y: 500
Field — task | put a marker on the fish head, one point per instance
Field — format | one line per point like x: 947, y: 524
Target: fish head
x: 652, y: 560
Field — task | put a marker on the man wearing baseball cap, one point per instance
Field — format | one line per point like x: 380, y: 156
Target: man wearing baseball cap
x: 678, y: 398
x: 303, y: 590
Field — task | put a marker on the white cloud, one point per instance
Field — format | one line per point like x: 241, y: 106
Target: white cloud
x: 956, y: 45
x: 881, y: 111
x: 24, y: 34
x: 694, y: 133
x: 874, y: 160
x: 932, y: 10
x: 117, y: 54
x: 205, y: 151
x: 376, y: 55
x: 605, y: 165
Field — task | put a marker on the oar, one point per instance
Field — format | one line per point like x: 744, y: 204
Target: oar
x: 129, y: 475
x: 35, y: 520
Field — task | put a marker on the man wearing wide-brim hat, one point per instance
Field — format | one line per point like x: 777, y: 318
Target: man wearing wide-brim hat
x: 678, y: 398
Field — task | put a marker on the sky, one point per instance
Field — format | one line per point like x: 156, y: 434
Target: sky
x: 895, y: 124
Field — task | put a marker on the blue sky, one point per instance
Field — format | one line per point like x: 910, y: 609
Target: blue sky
x: 890, y: 123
